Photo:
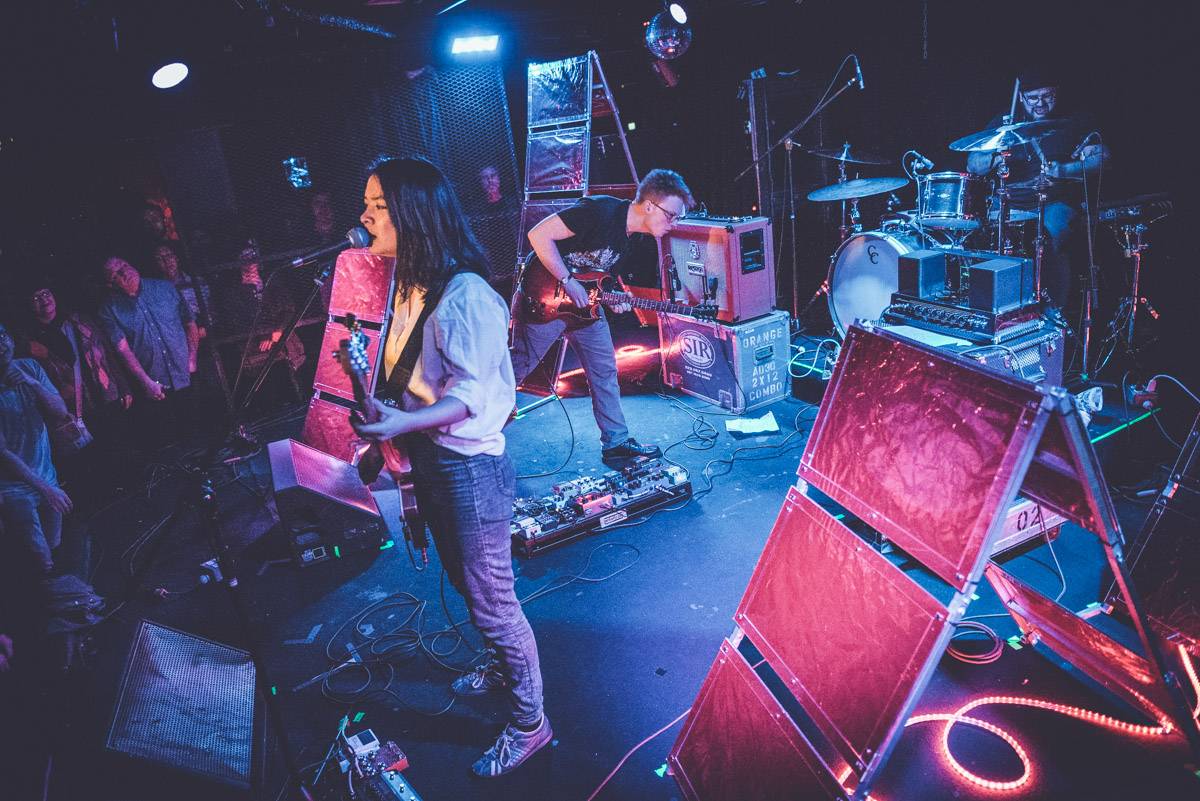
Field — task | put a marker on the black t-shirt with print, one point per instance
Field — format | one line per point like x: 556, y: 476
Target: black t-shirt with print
x: 600, y: 238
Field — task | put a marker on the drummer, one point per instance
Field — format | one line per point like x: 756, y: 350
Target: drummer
x: 1065, y: 155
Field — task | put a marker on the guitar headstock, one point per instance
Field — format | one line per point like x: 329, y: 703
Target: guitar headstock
x: 705, y: 311
x: 352, y: 352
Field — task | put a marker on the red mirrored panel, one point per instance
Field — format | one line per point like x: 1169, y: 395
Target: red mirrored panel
x: 738, y: 744
x: 1123, y: 672
x: 1056, y: 477
x: 327, y: 428
x: 845, y: 629
x: 362, y: 285
x: 921, y: 445
x: 331, y: 377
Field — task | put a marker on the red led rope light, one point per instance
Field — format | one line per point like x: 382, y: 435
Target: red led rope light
x: 952, y: 719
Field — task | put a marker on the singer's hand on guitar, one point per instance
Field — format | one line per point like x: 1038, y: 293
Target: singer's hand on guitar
x: 388, y: 422
x: 577, y: 292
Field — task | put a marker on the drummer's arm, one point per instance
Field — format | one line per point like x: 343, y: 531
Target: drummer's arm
x: 979, y: 163
x: 1092, y: 159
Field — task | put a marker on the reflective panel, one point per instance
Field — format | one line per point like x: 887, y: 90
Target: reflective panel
x: 556, y: 161
x: 558, y: 91
x: 921, y: 445
x: 362, y: 285
x: 847, y: 631
x: 1122, y: 671
x: 738, y: 744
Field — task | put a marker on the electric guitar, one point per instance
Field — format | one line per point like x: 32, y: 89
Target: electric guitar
x: 352, y: 354
x: 543, y: 298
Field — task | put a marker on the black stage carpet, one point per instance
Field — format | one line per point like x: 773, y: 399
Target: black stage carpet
x: 626, y: 637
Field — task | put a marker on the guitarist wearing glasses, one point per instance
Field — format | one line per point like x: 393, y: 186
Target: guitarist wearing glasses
x: 448, y: 369
x: 583, y: 243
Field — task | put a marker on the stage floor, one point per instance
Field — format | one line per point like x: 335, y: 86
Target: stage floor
x: 624, y: 647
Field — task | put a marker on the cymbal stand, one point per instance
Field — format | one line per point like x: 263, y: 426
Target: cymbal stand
x: 1039, y: 248
x: 1002, y: 172
x: 1134, y: 244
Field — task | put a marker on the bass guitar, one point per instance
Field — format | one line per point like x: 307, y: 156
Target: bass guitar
x: 352, y: 354
x: 543, y: 298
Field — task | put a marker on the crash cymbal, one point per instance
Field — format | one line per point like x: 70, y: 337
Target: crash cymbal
x: 846, y: 153
x: 859, y: 187
x: 1006, y: 137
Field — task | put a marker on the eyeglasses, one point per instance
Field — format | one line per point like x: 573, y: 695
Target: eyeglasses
x: 670, y: 215
x: 42, y: 295
x: 1040, y: 98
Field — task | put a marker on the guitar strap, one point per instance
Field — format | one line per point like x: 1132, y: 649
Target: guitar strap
x: 402, y: 372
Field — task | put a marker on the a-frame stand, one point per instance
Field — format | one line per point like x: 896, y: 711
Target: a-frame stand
x: 575, y: 146
x: 929, y: 450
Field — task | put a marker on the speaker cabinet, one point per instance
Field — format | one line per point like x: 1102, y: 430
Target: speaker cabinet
x: 726, y: 260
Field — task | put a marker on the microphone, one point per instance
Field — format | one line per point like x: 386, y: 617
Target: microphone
x: 1086, y: 141
x: 921, y: 162
x: 356, y: 237
x: 858, y: 74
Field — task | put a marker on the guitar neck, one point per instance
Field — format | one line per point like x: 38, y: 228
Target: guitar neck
x: 646, y: 303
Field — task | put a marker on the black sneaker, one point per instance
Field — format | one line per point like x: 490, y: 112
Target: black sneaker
x: 630, y: 449
x: 481, y: 680
x: 511, y: 748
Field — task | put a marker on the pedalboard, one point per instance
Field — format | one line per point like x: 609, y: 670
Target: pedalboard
x: 377, y: 768
x: 589, y: 504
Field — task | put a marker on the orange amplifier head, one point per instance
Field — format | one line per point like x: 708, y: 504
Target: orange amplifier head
x: 726, y: 260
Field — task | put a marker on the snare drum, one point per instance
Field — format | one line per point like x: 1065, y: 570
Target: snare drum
x: 864, y: 273
x: 952, y: 200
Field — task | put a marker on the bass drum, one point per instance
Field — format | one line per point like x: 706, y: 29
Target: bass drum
x: 863, y: 274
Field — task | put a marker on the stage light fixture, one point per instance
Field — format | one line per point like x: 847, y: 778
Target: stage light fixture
x: 169, y: 75
x: 666, y: 37
x: 678, y: 13
x: 463, y: 45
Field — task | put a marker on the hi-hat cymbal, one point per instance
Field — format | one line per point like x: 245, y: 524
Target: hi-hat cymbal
x: 859, y: 187
x: 1005, y: 137
x: 845, y: 153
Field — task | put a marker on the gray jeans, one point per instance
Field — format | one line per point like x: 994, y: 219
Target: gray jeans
x: 32, y: 526
x: 593, y: 345
x: 468, y: 503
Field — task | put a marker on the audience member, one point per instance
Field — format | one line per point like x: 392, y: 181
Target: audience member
x: 252, y: 313
x: 32, y: 504
x: 94, y: 384
x: 155, y: 334
x: 192, y: 289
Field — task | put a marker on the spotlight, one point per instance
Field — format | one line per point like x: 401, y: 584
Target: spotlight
x: 169, y: 75
x: 678, y: 13
x: 474, y: 44
x: 667, y: 38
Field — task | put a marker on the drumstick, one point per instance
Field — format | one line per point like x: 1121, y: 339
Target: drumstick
x: 1012, y: 109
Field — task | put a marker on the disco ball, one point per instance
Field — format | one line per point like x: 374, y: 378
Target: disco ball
x: 666, y: 38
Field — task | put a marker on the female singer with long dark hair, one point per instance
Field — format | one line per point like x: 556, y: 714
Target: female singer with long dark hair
x: 452, y: 408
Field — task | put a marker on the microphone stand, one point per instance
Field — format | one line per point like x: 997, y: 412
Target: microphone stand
x: 206, y: 498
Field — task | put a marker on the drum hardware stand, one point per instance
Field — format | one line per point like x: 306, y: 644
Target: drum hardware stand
x: 789, y: 139
x: 1002, y: 172
x: 788, y: 144
x: 1133, y: 243
x: 1039, y: 248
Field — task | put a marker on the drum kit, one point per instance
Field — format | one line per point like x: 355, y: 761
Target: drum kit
x: 955, y: 210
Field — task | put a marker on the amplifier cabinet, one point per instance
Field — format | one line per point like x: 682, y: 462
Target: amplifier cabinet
x: 739, y: 367
x: 726, y: 260
x: 1036, y: 356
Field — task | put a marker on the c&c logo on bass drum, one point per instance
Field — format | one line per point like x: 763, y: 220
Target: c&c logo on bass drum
x: 696, y: 349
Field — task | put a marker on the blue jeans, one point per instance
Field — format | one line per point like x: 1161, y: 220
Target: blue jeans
x: 593, y: 345
x: 468, y: 503
x: 32, y: 527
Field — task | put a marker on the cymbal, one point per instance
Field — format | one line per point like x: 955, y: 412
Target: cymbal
x: 859, y: 187
x: 1005, y: 137
x: 845, y: 153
